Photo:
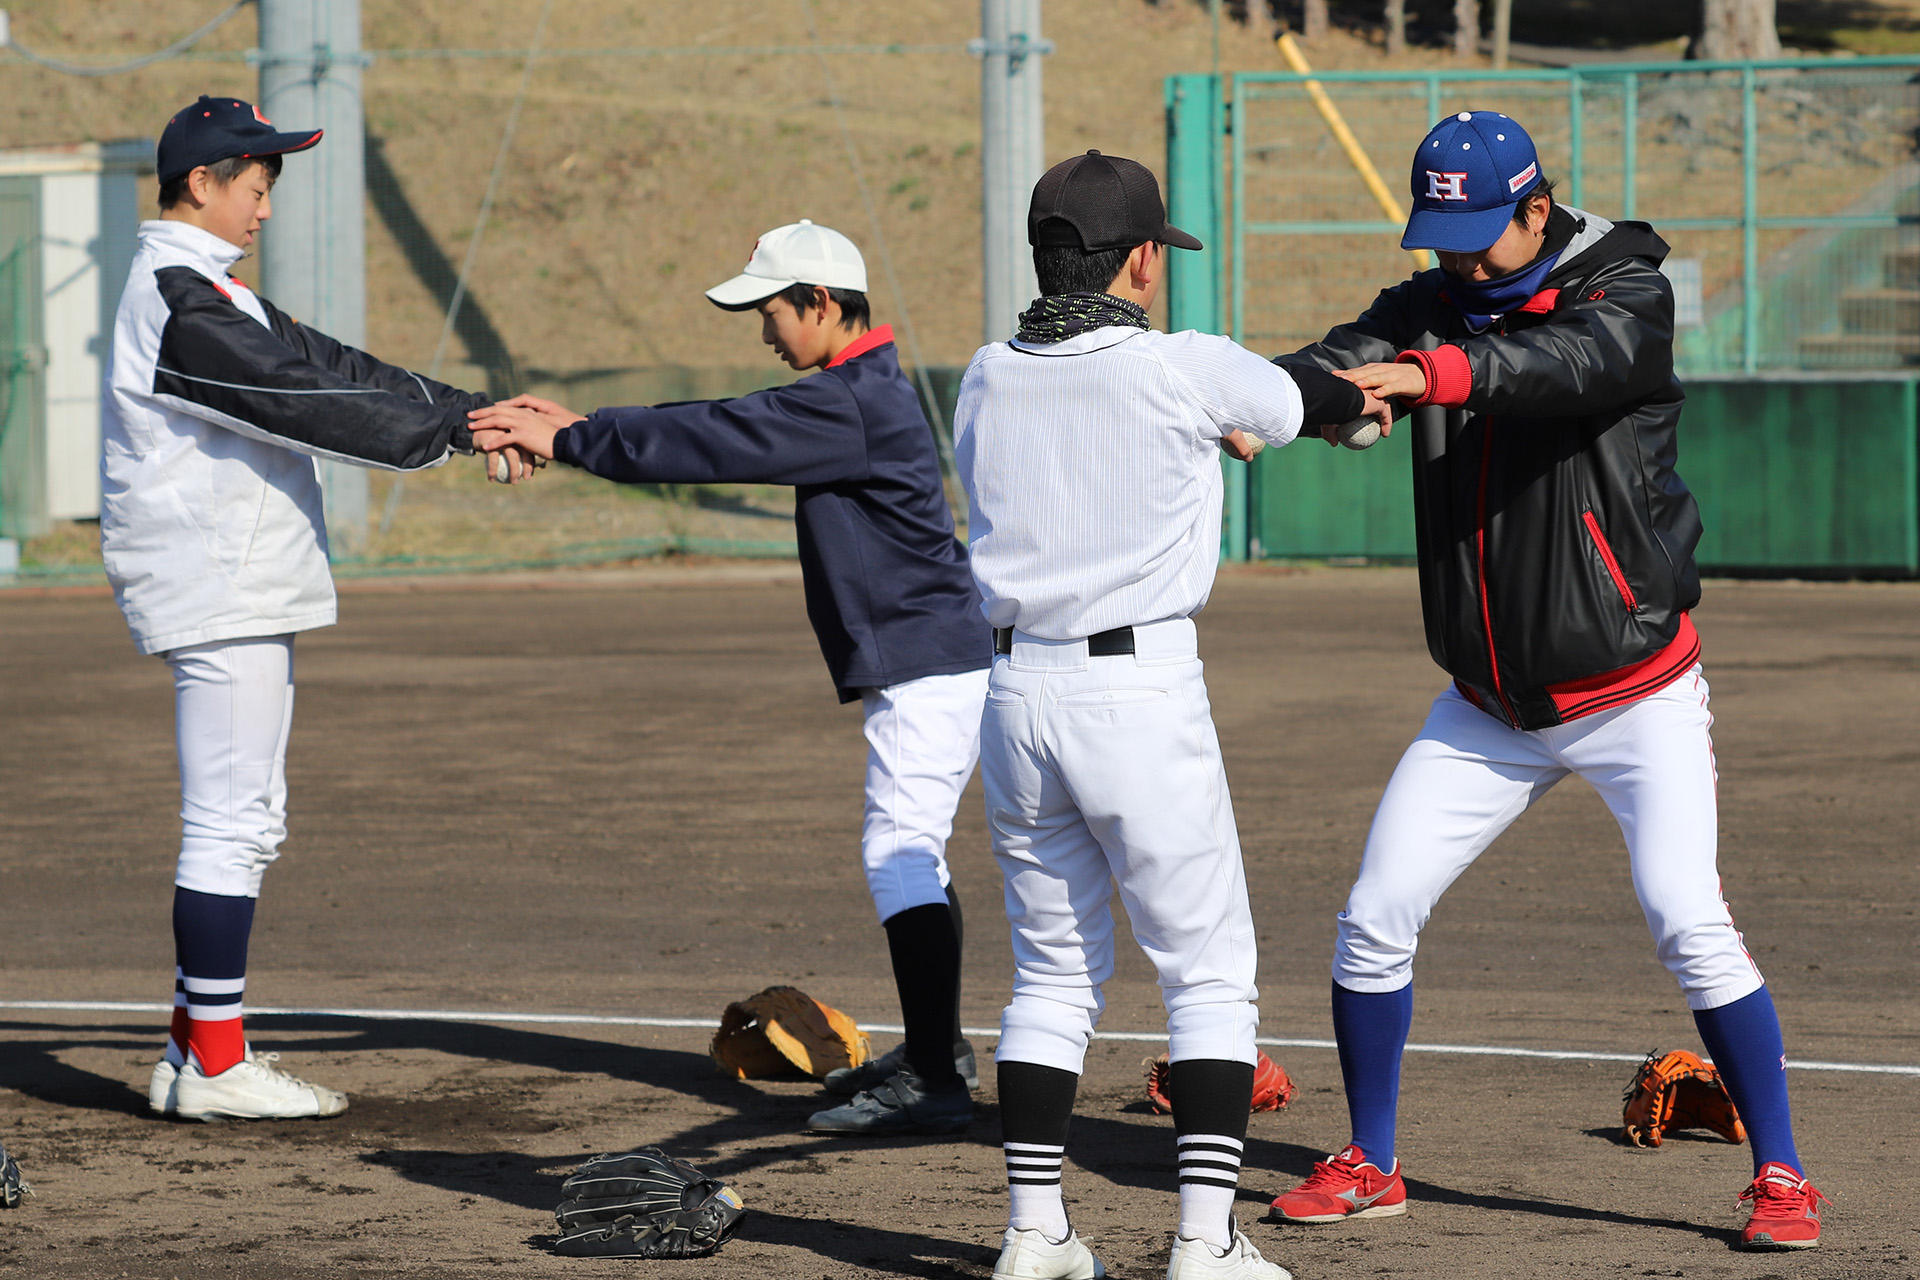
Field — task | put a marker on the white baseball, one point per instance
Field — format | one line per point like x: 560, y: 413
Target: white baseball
x: 501, y: 473
x: 1361, y: 433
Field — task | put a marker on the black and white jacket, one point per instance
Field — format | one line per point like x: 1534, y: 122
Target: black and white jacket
x: 216, y: 405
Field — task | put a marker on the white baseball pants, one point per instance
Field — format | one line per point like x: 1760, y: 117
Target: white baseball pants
x: 923, y: 739
x: 233, y: 710
x: 1468, y: 776
x: 1101, y: 771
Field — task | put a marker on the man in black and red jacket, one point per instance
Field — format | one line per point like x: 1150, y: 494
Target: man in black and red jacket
x: 1556, y: 574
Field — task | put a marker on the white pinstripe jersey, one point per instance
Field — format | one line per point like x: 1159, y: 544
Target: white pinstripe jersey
x: 1093, y: 476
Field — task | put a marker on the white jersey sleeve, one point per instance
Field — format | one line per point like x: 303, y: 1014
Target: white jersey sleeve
x: 1234, y: 389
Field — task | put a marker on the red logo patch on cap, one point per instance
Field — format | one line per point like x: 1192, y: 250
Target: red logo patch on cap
x: 257, y: 116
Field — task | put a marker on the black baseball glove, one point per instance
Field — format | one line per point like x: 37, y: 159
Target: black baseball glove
x: 644, y: 1204
x: 12, y: 1185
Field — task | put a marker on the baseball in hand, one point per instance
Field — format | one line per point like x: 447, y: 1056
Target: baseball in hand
x: 1361, y: 433
x: 501, y: 473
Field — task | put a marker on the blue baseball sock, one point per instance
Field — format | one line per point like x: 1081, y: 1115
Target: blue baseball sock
x: 1743, y: 1039
x: 1371, y: 1028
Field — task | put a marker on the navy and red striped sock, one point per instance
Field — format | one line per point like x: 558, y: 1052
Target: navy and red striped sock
x: 210, y: 934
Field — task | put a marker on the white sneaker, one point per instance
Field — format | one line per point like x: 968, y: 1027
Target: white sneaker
x: 1029, y: 1255
x: 251, y: 1089
x: 1198, y: 1260
x: 160, y: 1088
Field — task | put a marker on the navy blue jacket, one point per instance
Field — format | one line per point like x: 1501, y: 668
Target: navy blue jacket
x: 888, y: 589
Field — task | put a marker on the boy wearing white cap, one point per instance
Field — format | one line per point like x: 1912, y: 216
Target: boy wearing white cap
x: 888, y: 592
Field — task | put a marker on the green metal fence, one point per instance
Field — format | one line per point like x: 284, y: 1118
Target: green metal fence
x: 1790, y: 194
x: 1788, y: 190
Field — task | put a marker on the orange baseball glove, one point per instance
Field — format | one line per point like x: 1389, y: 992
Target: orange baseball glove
x: 783, y: 1028
x: 1273, y: 1088
x: 1675, y: 1091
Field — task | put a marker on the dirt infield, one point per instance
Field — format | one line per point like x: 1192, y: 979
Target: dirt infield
x: 635, y: 795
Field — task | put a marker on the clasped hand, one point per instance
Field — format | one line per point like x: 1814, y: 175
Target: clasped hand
x: 521, y: 430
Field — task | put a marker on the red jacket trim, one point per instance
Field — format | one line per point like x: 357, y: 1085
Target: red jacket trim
x: 864, y: 343
x: 1449, y: 376
x: 1540, y: 303
x: 1609, y: 689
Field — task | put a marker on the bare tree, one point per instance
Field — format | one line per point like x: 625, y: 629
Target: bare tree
x: 1313, y: 21
x: 1396, y: 27
x: 1466, y: 28
x: 1735, y: 29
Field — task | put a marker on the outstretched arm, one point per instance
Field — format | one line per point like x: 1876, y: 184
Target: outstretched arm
x: 297, y: 388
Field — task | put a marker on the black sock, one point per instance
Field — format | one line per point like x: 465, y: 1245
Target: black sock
x: 926, y: 969
x: 1211, y: 1098
x: 960, y: 950
x: 1036, y: 1106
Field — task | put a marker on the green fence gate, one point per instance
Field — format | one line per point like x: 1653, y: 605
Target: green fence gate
x: 1789, y: 191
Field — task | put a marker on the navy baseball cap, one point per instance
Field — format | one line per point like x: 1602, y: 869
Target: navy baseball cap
x: 1469, y: 173
x: 215, y: 129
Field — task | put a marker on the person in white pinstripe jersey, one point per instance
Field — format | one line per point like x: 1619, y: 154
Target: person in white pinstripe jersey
x: 1088, y: 447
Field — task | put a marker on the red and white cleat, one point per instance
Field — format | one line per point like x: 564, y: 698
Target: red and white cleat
x: 1786, y: 1210
x: 1344, y: 1186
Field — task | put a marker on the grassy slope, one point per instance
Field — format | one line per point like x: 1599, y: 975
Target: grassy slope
x: 635, y: 183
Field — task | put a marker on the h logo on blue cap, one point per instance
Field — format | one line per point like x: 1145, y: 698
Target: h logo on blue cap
x: 1469, y: 172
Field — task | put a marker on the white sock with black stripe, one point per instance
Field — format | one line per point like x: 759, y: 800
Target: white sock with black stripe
x: 1033, y: 1185
x: 1209, y: 1179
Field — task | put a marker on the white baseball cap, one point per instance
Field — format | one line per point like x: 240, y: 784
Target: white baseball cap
x: 798, y: 253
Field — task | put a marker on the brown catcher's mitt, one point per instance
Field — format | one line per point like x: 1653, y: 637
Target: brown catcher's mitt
x: 1273, y: 1088
x: 1675, y: 1091
x: 782, y: 1028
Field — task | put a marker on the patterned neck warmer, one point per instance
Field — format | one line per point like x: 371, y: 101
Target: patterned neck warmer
x: 1062, y: 315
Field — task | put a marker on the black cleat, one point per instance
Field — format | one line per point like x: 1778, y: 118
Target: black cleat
x: 848, y: 1081
x: 898, y: 1105
x: 12, y: 1185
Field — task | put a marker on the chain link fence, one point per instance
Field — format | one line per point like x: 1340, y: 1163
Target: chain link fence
x: 1788, y: 192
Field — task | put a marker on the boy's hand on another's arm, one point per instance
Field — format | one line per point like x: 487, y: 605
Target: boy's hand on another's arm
x: 1388, y: 381
x: 545, y: 408
x: 512, y: 425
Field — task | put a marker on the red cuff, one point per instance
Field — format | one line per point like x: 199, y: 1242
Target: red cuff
x: 1449, y: 376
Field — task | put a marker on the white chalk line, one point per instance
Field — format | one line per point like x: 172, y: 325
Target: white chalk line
x: 708, y: 1024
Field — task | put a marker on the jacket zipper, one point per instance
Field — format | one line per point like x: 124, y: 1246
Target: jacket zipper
x: 1613, y: 565
x: 1480, y: 552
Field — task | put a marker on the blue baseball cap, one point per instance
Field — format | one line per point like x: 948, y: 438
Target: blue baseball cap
x: 216, y: 129
x: 1469, y: 173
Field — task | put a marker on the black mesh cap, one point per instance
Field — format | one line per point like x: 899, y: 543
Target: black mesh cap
x: 1094, y: 202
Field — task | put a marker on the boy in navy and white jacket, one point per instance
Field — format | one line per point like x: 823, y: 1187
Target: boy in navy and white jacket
x: 888, y: 592
x: 212, y: 533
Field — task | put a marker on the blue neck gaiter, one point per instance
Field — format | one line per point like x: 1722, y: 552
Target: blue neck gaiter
x: 1481, y: 302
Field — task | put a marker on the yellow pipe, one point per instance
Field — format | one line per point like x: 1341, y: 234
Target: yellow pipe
x: 1337, y: 126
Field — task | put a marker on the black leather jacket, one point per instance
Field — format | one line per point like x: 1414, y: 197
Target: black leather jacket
x: 1555, y: 538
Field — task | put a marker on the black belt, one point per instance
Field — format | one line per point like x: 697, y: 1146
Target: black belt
x: 1105, y: 644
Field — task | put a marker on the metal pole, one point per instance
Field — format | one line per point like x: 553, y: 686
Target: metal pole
x: 1012, y: 156
x: 1749, y: 230
x: 1630, y: 145
x: 1576, y: 139
x: 313, y: 251
x: 1502, y: 32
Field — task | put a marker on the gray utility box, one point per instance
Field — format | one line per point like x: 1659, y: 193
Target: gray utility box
x: 68, y: 219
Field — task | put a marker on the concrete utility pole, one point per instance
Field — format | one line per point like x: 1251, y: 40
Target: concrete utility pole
x: 1502, y: 33
x: 313, y: 253
x: 1012, y: 155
